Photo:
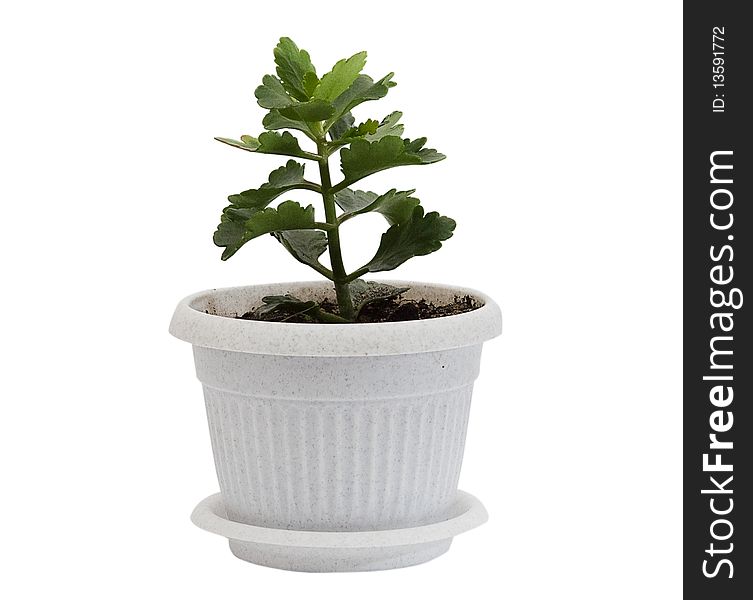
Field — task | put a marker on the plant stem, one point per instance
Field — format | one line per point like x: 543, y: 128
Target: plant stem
x: 344, y: 301
x: 356, y: 274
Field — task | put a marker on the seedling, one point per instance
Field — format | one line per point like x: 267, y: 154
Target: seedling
x: 320, y: 109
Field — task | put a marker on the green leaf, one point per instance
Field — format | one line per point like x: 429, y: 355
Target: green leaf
x: 271, y: 142
x: 315, y: 110
x: 427, y: 155
x: 363, y: 293
x: 248, y: 143
x: 341, y: 126
x: 306, y: 245
x: 388, y: 126
x: 290, y: 174
x: 364, y: 158
x: 310, y: 81
x: 363, y: 130
x: 232, y: 229
x: 272, y: 94
x: 370, y: 126
x: 274, y: 120
x: 364, y: 88
x: 281, y: 180
x: 341, y: 77
x: 287, y: 304
x: 370, y: 130
x: 293, y: 67
x: 275, y: 306
x: 288, y: 215
x: 240, y: 225
x: 395, y: 206
x: 351, y: 201
x: 420, y: 235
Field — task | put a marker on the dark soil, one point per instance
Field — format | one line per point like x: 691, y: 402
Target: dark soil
x: 388, y: 311
x: 397, y: 309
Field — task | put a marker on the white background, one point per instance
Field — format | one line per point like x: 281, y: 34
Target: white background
x: 562, y: 126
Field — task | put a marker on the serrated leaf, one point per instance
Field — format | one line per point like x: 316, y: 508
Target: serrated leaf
x: 306, y: 245
x: 363, y: 89
x: 419, y: 235
x: 369, y: 130
x: 351, y: 201
x: 388, y: 126
x: 232, y: 229
x: 364, y: 129
x: 287, y: 304
x: 340, y: 78
x: 272, y: 94
x: 364, y: 158
x: 370, y: 126
x: 290, y: 174
x: 342, y: 125
x: 395, y: 206
x: 273, y: 120
x: 248, y: 143
x: 293, y: 66
x: 286, y: 178
x: 363, y: 293
x: 290, y: 306
x: 428, y: 155
x: 310, y: 81
x: 314, y: 110
x: 288, y: 215
x: 271, y: 142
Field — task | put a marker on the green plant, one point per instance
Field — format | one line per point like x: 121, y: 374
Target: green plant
x: 320, y: 109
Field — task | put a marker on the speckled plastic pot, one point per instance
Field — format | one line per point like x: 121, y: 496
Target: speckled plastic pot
x: 340, y: 428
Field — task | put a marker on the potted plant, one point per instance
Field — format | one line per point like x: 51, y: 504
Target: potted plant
x: 338, y: 408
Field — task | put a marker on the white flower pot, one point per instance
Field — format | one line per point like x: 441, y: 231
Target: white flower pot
x: 335, y: 428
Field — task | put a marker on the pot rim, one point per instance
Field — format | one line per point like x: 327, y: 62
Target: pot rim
x: 192, y: 324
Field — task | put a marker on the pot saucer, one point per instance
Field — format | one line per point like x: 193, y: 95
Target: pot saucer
x: 333, y: 551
